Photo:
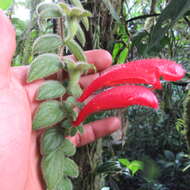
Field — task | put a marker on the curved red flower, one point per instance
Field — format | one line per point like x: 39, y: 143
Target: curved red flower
x: 123, y: 75
x: 118, y: 97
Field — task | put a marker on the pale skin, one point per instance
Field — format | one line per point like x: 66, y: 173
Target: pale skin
x: 19, y: 145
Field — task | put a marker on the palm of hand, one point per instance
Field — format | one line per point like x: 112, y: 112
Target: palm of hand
x: 19, y: 155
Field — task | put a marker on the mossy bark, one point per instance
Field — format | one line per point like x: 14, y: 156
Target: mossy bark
x: 88, y: 158
x: 186, y: 117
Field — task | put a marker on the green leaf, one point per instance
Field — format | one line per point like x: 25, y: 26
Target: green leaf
x: 122, y: 56
x: 48, y: 10
x: 43, y: 66
x: 5, y: 4
x: 51, y: 140
x: 65, y: 7
x: 64, y: 184
x: 111, y: 9
x: 50, y: 89
x: 77, y: 3
x: 81, y: 36
x: 135, y: 166
x: 50, y: 13
x: 72, y: 27
x: 80, y: 128
x: 84, y: 67
x: 86, y: 24
x: 71, y: 114
x: 47, y: 43
x: 68, y: 148
x: 76, y: 50
x: 116, y: 49
x: 44, y: 5
x: 69, y: 63
x: 70, y: 168
x: 76, y: 12
x: 85, y: 19
x: 86, y: 13
x: 80, y: 12
x: 109, y: 167
x: 52, y: 168
x: 66, y: 124
x: 169, y: 16
x: 49, y: 113
x: 73, y: 131
x: 124, y: 162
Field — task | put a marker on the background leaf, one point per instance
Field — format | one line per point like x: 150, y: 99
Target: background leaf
x: 175, y: 10
x: 5, y: 4
x: 111, y: 9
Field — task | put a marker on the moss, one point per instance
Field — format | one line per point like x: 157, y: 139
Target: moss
x: 186, y: 117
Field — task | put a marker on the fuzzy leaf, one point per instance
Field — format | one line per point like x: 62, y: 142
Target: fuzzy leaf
x: 81, y: 36
x: 47, y: 43
x: 44, y: 5
x: 64, y: 184
x: 70, y: 64
x: 85, y: 67
x: 50, y: 89
x: 86, y: 24
x: 52, y: 168
x: 76, y: 50
x: 43, y: 66
x: 51, y: 140
x: 70, y: 168
x: 73, y: 131
x: 66, y: 124
x: 85, y: 19
x: 68, y: 148
x: 80, y: 128
x: 86, y: 13
x: 50, y: 12
x: 65, y: 7
x: 77, y: 3
x: 49, y: 113
x: 72, y: 27
x: 76, y: 12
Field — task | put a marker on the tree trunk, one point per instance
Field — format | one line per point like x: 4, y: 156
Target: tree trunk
x: 88, y: 158
x: 100, y: 35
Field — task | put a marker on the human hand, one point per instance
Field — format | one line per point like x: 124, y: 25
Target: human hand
x: 19, y: 153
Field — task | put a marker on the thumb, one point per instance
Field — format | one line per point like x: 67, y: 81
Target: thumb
x: 7, y: 48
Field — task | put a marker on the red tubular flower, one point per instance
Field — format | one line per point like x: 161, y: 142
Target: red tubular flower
x: 123, y: 75
x: 169, y: 70
x: 118, y: 97
x: 146, y: 71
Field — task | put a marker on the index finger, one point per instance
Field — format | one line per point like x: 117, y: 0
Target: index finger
x: 101, y: 58
x: 95, y: 130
